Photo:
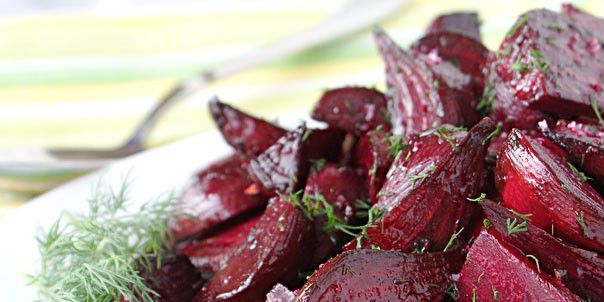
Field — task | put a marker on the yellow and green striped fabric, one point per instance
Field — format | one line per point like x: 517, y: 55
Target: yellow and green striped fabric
x: 85, y: 77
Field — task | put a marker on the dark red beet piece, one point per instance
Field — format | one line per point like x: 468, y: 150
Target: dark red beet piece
x: 375, y: 275
x: 419, y: 158
x: 176, y: 280
x: 210, y: 254
x: 532, y: 179
x: 250, y: 136
x: 215, y: 195
x: 584, y: 144
x: 277, y: 248
x: 373, y: 159
x: 465, y: 23
x: 415, y: 103
x: 341, y: 187
x: 580, y: 270
x: 465, y: 53
x: 284, y: 165
x: 430, y: 213
x: 551, y: 62
x: 352, y: 109
x: 496, y: 272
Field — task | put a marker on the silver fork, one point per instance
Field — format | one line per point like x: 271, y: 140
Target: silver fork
x: 355, y: 16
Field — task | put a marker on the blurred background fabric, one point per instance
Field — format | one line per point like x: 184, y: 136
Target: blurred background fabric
x: 84, y: 72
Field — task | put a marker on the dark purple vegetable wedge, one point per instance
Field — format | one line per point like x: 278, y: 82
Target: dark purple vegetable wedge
x: 533, y: 179
x: 341, y: 187
x: 372, y: 157
x: 284, y: 165
x: 278, y: 248
x: 415, y: 163
x: 352, y: 109
x: 495, y: 271
x: 375, y: 275
x: 175, y: 280
x: 428, y: 215
x: 415, y: 102
x: 250, y: 136
x: 280, y: 293
x: 465, y: 23
x: 584, y: 144
x: 465, y: 53
x: 210, y: 254
x: 552, y: 62
x: 580, y: 270
x: 215, y: 195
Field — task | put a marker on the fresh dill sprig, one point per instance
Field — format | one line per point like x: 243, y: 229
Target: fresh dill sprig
x: 523, y: 216
x: 452, y: 240
x: 487, y: 223
x: 488, y: 97
x: 445, y: 132
x: 594, y: 106
x: 515, y: 227
x: 479, y: 198
x: 318, y: 163
x: 517, y: 25
x: 578, y: 173
x: 396, y: 143
x: 97, y: 256
x: 581, y: 221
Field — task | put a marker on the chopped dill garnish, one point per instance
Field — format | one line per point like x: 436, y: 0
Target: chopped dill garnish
x: 550, y: 41
x: 515, y: 227
x: 488, y: 97
x: 523, y: 216
x: 495, y: 132
x: 479, y: 277
x: 452, y: 240
x: 453, y: 292
x: 594, y: 106
x: 555, y: 26
x: 396, y: 143
x: 487, y: 223
x: 97, y: 256
x: 578, y: 173
x: 495, y: 294
x: 536, y: 261
x: 580, y: 220
x: 318, y: 163
x: 473, y: 294
x: 479, y: 198
x: 444, y: 133
x: 517, y: 25
x: 307, y: 133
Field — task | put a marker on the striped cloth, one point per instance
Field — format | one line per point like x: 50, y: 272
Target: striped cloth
x: 85, y: 76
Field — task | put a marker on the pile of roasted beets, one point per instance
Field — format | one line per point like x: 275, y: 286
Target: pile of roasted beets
x: 478, y: 176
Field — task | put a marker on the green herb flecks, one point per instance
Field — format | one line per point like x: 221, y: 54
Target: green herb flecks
x: 514, y: 227
x: 319, y: 164
x: 488, y: 97
x: 581, y: 221
x: 487, y: 223
x: 517, y: 25
x: 396, y: 143
x: 536, y: 261
x: 520, y: 215
x: 594, y: 106
x: 452, y: 240
x: 479, y: 198
x: 578, y: 173
x: 453, y: 292
x: 96, y: 256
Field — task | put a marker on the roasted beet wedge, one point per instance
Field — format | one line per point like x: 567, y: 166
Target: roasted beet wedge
x: 372, y: 157
x: 533, y: 179
x: 417, y: 160
x: 278, y: 248
x: 250, y: 136
x: 352, y: 109
x: 428, y: 215
x: 375, y: 275
x: 549, y: 60
x: 215, y: 195
x: 415, y: 103
x: 210, y: 254
x: 176, y: 280
x: 341, y: 187
x: 496, y: 272
x: 284, y: 165
x: 580, y: 270
x: 584, y: 144
x: 465, y: 23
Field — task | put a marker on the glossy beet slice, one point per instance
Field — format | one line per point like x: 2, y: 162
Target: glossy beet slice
x: 250, y: 136
x: 210, y: 254
x: 284, y: 165
x: 533, y: 179
x: 550, y: 62
x: 375, y: 275
x: 341, y: 187
x: 215, y: 195
x: 175, y: 280
x: 352, y: 109
x: 580, y: 270
x: 417, y: 160
x: 372, y: 157
x: 415, y: 104
x: 465, y: 23
x: 495, y: 272
x: 276, y: 250
x: 584, y: 144
x: 429, y: 214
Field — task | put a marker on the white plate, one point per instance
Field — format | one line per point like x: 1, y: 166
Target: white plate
x: 151, y: 174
